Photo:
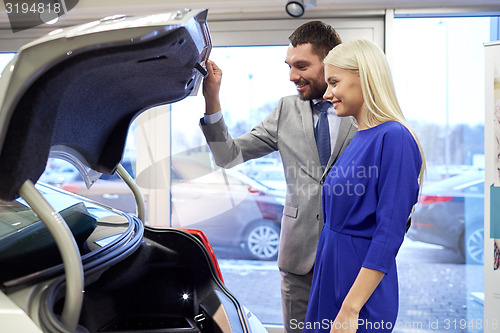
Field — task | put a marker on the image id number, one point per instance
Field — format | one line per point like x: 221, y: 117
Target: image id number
x: 462, y: 324
x: 32, y: 8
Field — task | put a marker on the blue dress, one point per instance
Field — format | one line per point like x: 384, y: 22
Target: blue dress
x: 367, y: 198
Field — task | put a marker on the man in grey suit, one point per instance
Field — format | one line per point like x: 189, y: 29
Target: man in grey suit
x: 290, y: 129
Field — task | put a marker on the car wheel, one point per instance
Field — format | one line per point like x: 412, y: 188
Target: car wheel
x: 474, y: 246
x: 262, y: 241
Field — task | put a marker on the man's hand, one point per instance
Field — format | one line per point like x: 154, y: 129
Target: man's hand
x: 211, y: 87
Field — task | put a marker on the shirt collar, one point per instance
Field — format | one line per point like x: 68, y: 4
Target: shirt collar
x: 316, y: 101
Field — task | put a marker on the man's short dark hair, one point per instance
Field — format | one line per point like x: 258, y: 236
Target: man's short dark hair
x: 321, y: 35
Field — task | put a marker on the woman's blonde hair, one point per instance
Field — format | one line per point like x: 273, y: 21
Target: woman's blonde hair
x: 366, y: 59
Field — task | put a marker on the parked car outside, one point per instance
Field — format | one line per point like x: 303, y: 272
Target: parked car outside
x: 59, y: 172
x: 68, y: 264
x: 450, y: 213
x: 273, y: 177
x: 251, y: 167
x: 110, y: 190
x: 233, y: 210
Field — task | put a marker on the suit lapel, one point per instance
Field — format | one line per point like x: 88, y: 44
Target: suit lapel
x: 308, y: 127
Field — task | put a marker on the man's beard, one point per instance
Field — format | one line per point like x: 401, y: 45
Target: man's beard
x: 314, y: 92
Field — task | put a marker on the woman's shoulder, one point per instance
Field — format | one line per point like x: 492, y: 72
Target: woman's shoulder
x: 393, y: 128
x: 390, y: 132
x: 395, y: 134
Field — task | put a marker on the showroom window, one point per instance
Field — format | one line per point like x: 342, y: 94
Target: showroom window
x: 438, y: 67
x: 246, y: 201
x: 4, y: 59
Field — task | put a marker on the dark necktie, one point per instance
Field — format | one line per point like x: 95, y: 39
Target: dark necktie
x: 322, y: 133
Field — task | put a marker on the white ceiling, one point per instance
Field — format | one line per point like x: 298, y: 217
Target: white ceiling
x: 224, y: 10
x: 251, y: 9
x: 234, y: 6
x: 275, y: 8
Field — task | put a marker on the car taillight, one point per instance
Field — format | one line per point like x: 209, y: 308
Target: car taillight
x: 430, y: 199
x: 203, y: 238
x: 268, y: 210
x: 71, y: 188
x: 254, y: 190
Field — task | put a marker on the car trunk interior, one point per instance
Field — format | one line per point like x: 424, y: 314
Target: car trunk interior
x: 168, y: 285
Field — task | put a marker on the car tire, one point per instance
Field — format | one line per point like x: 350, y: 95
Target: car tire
x: 473, y: 245
x: 262, y: 241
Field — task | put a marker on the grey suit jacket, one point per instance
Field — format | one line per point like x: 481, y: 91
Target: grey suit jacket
x: 290, y: 130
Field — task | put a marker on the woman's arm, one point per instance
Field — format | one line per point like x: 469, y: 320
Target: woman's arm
x: 363, y: 287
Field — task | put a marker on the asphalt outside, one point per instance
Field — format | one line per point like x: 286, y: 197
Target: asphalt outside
x: 438, y: 293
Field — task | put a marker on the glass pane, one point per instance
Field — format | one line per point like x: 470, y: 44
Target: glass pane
x: 438, y: 67
x: 109, y: 189
x: 4, y: 60
x: 254, y: 80
x: 239, y: 209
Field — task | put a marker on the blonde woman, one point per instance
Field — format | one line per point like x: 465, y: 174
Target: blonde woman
x: 367, y: 198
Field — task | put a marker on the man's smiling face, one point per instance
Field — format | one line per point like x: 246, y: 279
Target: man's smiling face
x: 306, y: 71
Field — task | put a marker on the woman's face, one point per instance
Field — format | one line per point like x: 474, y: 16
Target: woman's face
x: 344, y: 90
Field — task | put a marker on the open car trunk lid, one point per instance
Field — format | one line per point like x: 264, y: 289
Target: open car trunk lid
x: 78, y: 89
